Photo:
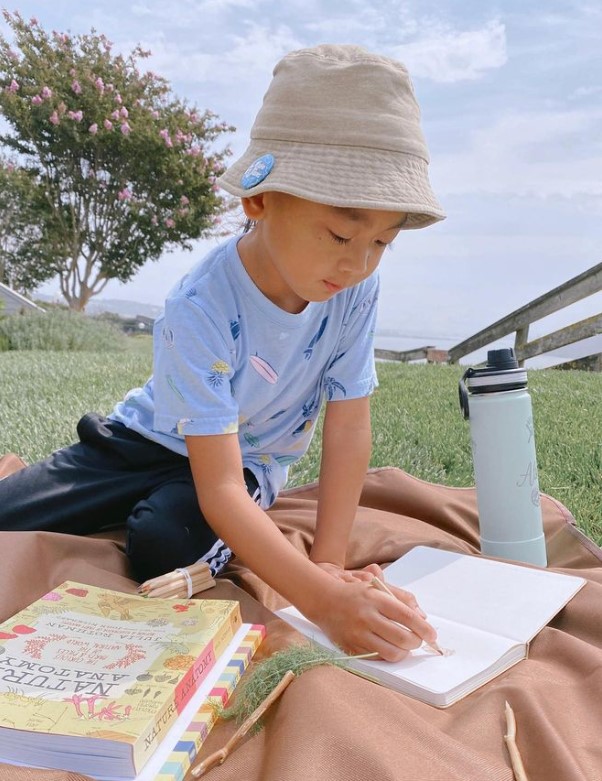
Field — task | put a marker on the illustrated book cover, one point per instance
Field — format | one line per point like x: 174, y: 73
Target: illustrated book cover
x: 485, y: 612
x: 91, y: 679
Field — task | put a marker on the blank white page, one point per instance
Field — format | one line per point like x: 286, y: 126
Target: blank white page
x: 494, y: 596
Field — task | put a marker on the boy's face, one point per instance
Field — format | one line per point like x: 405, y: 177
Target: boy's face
x: 304, y: 251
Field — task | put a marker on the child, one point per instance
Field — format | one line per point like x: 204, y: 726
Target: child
x: 255, y: 337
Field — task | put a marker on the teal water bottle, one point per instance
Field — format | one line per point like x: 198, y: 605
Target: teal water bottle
x: 495, y: 400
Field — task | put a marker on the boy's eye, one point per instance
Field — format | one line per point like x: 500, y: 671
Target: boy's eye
x: 338, y: 239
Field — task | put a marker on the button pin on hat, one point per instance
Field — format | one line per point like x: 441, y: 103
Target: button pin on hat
x: 257, y: 171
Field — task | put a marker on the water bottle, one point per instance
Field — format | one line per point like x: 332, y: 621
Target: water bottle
x: 495, y: 400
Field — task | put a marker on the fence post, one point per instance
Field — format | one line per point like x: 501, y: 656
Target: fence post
x: 520, y: 340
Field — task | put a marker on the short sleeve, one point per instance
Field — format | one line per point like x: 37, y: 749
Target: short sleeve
x: 351, y: 373
x: 192, y: 373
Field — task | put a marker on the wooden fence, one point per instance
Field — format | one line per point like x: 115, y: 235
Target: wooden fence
x: 429, y: 353
x: 518, y: 322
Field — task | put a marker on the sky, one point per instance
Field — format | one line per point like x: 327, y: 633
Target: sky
x: 511, y: 101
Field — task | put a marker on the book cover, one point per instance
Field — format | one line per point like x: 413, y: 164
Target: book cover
x: 483, y: 621
x: 90, y: 675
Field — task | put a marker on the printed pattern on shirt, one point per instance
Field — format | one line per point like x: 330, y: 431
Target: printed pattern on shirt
x: 229, y: 361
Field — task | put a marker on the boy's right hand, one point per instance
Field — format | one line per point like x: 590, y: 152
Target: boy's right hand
x: 360, y: 619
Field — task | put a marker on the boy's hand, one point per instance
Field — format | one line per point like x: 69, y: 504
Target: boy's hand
x: 360, y: 619
x: 348, y: 575
x: 367, y: 574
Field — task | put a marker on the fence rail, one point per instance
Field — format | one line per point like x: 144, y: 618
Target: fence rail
x: 429, y: 353
x: 576, y: 289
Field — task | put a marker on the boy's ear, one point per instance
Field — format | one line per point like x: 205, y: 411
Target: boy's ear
x: 254, y: 206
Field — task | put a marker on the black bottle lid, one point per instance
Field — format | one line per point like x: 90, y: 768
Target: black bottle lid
x: 502, y: 359
x: 500, y: 373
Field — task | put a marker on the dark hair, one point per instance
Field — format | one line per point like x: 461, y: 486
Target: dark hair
x: 249, y: 225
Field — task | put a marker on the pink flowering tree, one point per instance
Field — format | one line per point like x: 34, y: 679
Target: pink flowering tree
x: 22, y: 203
x: 121, y: 170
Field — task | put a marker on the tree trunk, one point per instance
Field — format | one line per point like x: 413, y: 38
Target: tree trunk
x: 78, y: 286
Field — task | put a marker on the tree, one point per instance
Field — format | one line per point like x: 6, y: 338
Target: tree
x: 120, y: 170
x: 22, y: 239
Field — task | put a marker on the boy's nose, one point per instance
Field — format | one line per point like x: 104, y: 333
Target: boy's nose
x: 355, y: 261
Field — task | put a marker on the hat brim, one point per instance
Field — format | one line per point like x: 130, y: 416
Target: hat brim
x: 352, y: 177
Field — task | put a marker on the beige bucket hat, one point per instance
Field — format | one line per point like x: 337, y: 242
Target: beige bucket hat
x: 340, y: 126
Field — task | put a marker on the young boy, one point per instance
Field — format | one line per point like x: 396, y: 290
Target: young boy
x: 251, y: 343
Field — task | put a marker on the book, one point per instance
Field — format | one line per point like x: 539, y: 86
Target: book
x: 180, y: 746
x: 91, y: 679
x: 173, y: 760
x: 485, y: 612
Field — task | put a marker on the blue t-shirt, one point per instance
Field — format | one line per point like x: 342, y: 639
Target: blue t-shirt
x: 228, y: 360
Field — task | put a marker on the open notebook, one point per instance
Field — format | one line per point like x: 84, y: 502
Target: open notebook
x: 485, y: 613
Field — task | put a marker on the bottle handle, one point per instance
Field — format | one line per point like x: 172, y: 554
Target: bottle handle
x: 463, y: 393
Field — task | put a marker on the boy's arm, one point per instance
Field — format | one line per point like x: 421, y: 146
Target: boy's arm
x: 218, y: 475
x: 356, y: 616
x: 346, y: 448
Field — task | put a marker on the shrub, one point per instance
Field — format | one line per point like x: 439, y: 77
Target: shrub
x: 59, y: 330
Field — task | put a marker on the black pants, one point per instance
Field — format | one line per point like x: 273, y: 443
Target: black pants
x: 111, y: 478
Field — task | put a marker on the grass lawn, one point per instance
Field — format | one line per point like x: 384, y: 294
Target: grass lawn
x: 417, y: 423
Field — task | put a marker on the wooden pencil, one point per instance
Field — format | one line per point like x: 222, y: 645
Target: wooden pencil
x: 381, y: 586
x: 182, y: 582
x: 201, y: 582
x: 197, y: 569
x: 179, y: 583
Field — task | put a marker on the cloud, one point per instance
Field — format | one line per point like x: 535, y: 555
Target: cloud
x: 433, y: 49
x: 231, y: 81
x: 245, y: 58
x: 542, y: 153
x: 376, y: 25
x: 250, y: 36
x: 585, y: 92
x: 180, y: 14
x: 258, y: 49
x: 446, y: 55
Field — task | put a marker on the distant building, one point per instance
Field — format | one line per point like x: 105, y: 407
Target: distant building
x: 13, y: 303
x: 141, y: 324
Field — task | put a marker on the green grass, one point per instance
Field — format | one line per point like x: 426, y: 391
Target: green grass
x: 416, y: 419
x: 44, y: 394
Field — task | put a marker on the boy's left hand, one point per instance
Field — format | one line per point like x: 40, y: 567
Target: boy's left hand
x: 368, y: 574
x: 348, y: 575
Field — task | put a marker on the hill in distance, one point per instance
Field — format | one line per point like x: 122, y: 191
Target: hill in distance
x: 116, y: 306
x: 122, y: 308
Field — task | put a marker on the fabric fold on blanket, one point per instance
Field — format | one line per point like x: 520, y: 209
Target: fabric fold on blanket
x: 333, y: 726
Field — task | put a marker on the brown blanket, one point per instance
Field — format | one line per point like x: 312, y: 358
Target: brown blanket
x: 333, y: 726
